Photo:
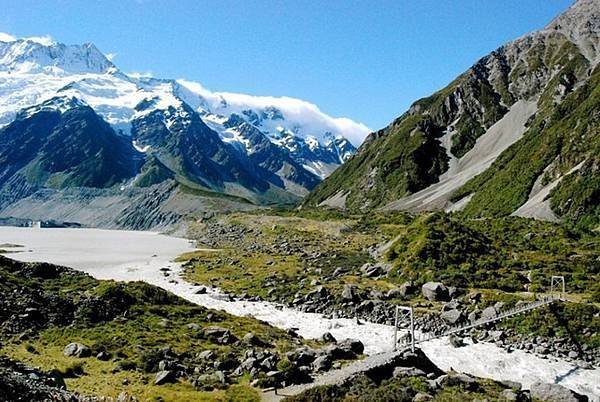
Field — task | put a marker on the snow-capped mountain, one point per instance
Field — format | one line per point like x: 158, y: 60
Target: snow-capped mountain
x: 32, y: 72
x: 82, y: 141
x: 27, y: 57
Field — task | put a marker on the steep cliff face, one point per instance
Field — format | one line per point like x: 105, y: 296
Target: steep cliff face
x: 45, y: 147
x: 463, y: 141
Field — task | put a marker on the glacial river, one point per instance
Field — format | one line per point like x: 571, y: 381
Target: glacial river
x: 132, y: 255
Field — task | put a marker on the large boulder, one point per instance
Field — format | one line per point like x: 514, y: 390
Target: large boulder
x: 250, y: 339
x: 452, y: 316
x: 302, y: 356
x: 77, y: 350
x: 489, y: 312
x: 435, y: 291
x: 375, y: 270
x: 554, y: 393
x: 164, y: 377
x: 220, y: 335
x: 322, y: 363
x: 349, y: 294
x: 352, y: 345
x: 407, y: 289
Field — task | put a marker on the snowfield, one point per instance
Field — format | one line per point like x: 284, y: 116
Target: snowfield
x: 130, y: 256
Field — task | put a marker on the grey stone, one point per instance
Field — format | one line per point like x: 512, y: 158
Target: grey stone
x: 328, y: 337
x: 77, y: 350
x: 408, y: 372
x: 554, y: 393
x: 509, y: 395
x: 393, y: 293
x: 512, y: 384
x: 456, y: 341
x: 322, y: 363
x: 474, y: 315
x: 207, y: 355
x: 452, y: 316
x: 164, y: 377
x: 421, y: 396
x: 407, y: 289
x: 348, y: 294
x: 352, y: 345
x: 103, y: 356
x: 489, y: 312
x: 435, y: 291
x: 251, y: 340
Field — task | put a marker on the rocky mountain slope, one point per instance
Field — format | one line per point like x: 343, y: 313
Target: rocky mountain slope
x: 520, y: 126
x: 60, y: 101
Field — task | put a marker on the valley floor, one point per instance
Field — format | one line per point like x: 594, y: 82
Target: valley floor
x: 130, y: 256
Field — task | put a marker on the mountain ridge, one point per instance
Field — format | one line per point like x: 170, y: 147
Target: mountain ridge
x: 418, y: 150
x: 270, y: 151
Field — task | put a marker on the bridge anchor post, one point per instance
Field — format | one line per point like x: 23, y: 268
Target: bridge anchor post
x: 557, y: 283
x: 409, y: 310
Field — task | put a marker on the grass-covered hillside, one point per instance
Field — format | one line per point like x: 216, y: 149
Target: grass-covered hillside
x: 560, y: 144
x: 510, y: 254
x: 131, y: 334
x: 561, y: 137
x: 256, y: 253
x: 362, y: 264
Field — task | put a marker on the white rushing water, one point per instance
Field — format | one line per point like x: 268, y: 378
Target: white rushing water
x: 130, y: 256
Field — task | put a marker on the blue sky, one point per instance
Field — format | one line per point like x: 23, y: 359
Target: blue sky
x: 366, y: 60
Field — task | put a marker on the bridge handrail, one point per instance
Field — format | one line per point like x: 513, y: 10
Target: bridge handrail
x: 427, y: 336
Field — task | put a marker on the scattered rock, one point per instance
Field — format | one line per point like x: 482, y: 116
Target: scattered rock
x: 164, y: 377
x: 489, y: 312
x: 455, y: 341
x: 327, y: 337
x: 77, y: 350
x: 220, y: 335
x: 251, y: 340
x: 554, y: 393
x: 322, y: 363
x: 421, y: 396
x: 509, y: 395
x: 452, y: 316
x: 348, y: 294
x: 408, y: 372
x: 207, y: 355
x: 103, y: 356
x: 352, y: 345
x: 435, y: 291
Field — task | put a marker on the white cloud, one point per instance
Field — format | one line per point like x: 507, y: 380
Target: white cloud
x: 306, y: 114
x: 4, y: 37
x: 111, y: 56
x: 45, y: 40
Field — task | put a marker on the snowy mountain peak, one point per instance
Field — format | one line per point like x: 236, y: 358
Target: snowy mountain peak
x: 291, y: 139
x: 58, y: 103
x: 273, y: 115
x: 30, y: 56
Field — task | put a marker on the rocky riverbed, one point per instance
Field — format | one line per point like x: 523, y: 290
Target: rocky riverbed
x: 376, y: 337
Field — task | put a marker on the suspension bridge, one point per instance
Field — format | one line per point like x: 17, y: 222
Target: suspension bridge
x: 339, y: 376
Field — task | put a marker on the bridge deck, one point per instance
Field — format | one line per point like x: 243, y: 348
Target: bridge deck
x: 340, y: 375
